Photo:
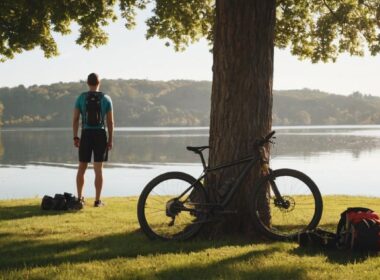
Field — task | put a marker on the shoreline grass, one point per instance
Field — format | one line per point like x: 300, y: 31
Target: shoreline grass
x: 106, y: 243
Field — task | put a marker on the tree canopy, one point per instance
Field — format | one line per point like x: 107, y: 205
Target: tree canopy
x: 313, y: 29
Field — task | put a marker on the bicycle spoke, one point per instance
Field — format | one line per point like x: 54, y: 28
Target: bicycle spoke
x: 157, y: 211
x: 296, y: 209
x: 162, y: 203
x: 155, y: 199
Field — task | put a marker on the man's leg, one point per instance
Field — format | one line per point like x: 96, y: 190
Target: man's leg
x: 98, y: 168
x: 80, y: 178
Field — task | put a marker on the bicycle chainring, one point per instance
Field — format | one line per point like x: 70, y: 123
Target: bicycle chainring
x: 173, y: 207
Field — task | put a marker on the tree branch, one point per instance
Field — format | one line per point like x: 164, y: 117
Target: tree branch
x: 331, y: 10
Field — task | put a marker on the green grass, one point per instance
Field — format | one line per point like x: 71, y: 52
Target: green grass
x: 105, y: 243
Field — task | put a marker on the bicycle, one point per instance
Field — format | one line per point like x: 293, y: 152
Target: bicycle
x: 175, y: 205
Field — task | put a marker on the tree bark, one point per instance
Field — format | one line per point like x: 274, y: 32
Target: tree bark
x: 241, y: 100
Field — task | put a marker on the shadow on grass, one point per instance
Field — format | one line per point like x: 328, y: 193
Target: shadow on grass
x: 19, y: 252
x: 335, y: 255
x: 25, y: 211
x: 228, y: 268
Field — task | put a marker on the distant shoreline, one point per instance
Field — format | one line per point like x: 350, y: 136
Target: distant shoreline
x: 177, y: 104
x: 190, y: 128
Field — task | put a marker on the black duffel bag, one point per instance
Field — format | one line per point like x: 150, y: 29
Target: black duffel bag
x: 60, y: 202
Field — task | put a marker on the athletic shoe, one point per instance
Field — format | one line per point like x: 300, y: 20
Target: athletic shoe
x: 98, y: 203
x: 78, y: 204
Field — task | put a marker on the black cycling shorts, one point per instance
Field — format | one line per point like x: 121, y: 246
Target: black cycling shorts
x: 93, y: 141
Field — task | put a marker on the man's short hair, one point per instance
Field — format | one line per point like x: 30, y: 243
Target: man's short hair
x: 93, y: 79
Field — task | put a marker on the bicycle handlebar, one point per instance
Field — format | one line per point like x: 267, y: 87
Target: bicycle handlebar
x: 266, y: 139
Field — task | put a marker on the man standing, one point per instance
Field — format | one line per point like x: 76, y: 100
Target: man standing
x: 94, y: 107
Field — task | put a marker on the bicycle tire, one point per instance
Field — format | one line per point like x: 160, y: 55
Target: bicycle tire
x: 306, y: 218
x: 148, y: 225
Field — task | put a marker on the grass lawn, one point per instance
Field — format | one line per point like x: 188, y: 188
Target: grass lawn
x: 105, y: 243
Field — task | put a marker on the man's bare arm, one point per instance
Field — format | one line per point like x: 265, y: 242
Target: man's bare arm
x: 110, y: 126
x: 76, y: 115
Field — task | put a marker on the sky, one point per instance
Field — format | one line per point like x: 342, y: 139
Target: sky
x: 128, y: 55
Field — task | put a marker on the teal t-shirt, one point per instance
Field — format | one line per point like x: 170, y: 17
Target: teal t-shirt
x: 105, y: 107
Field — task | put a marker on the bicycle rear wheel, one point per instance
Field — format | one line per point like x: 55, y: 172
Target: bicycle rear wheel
x: 295, y: 204
x: 170, y: 207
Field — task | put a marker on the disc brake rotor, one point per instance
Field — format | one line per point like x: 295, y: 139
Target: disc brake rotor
x: 285, y: 204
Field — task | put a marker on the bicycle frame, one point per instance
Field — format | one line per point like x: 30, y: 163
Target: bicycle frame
x: 249, y: 161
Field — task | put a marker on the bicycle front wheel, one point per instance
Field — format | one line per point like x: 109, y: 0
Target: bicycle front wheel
x: 286, y: 203
x: 170, y: 207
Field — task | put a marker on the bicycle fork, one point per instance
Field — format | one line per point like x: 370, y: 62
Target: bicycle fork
x: 279, y: 200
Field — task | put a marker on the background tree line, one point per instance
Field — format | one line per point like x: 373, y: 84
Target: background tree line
x: 176, y: 103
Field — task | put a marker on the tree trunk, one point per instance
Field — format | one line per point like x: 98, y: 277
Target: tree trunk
x: 241, y: 101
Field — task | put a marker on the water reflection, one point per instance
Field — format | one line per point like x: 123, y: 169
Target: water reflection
x: 1, y: 147
x: 34, y: 162
x: 22, y: 147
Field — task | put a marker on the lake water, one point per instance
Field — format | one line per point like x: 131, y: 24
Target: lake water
x: 35, y: 162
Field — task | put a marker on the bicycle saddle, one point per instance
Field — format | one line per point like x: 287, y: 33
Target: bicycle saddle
x: 197, y: 149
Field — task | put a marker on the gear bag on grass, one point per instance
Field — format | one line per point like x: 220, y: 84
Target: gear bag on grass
x: 359, y: 229
x: 93, y: 116
x: 317, y: 238
x: 64, y: 201
x: 47, y: 203
x: 60, y: 202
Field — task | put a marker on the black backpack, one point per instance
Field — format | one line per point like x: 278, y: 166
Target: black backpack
x: 47, y: 203
x: 60, y: 202
x: 93, y: 115
x: 359, y: 229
